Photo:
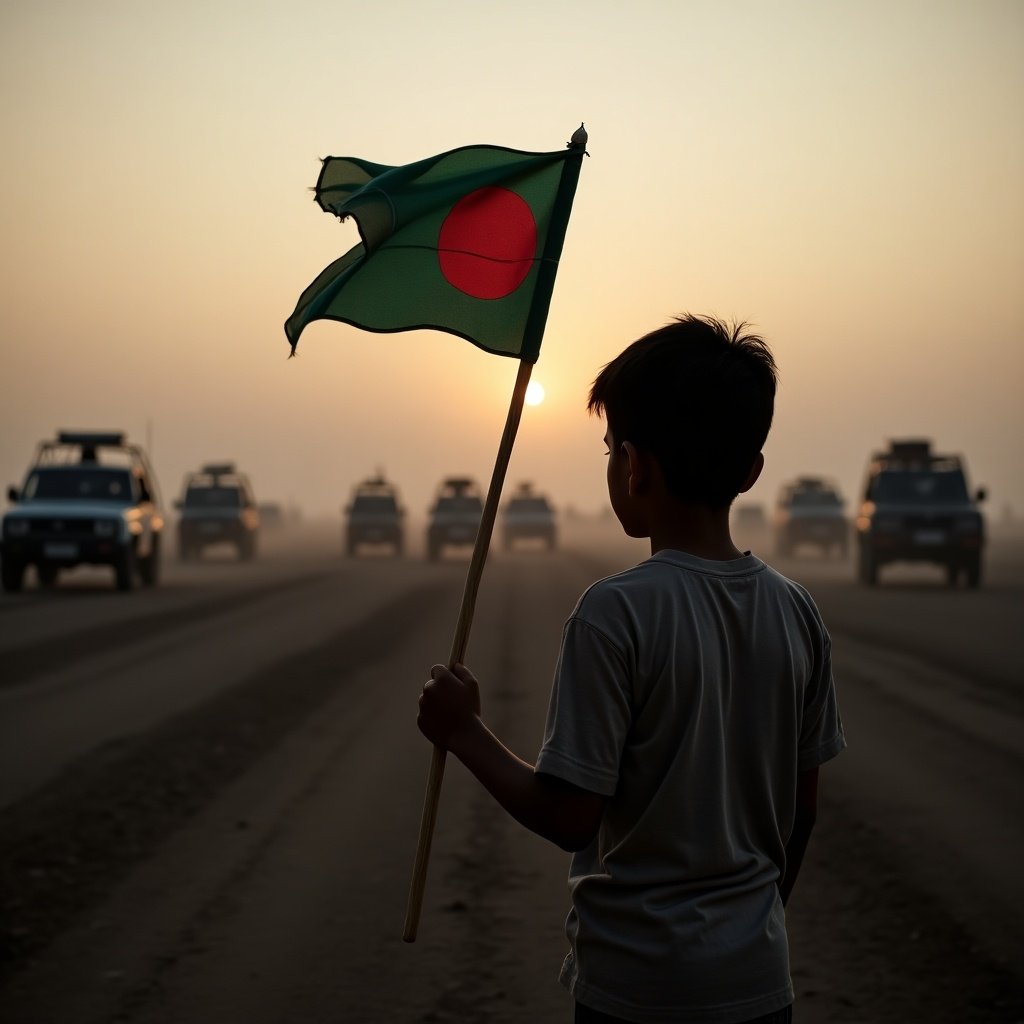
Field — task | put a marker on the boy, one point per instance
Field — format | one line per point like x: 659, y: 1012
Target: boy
x: 692, y: 705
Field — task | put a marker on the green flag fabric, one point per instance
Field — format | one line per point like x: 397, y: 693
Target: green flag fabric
x: 466, y: 242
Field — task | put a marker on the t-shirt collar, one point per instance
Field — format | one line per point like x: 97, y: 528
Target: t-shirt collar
x: 742, y: 566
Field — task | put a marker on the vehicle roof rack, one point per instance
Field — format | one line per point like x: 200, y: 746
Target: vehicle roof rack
x: 459, y: 484
x: 808, y: 483
x: 219, y: 469
x: 375, y: 483
x: 915, y: 454
x: 106, y: 438
x: 73, y: 447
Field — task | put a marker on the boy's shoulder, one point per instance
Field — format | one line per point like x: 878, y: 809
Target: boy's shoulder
x: 670, y: 570
x: 670, y: 576
x: 610, y: 591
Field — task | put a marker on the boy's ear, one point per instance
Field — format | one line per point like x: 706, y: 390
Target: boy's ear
x: 755, y: 472
x: 637, y: 466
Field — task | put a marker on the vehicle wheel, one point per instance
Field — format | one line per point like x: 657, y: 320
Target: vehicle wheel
x: 47, y: 574
x: 124, y: 569
x: 868, y: 568
x: 149, y: 567
x: 974, y: 573
x: 12, y: 574
x: 952, y: 573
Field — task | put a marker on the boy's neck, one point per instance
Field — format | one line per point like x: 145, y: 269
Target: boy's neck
x: 695, y: 529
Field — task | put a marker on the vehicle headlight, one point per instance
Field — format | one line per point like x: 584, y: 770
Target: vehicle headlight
x: 105, y: 527
x: 16, y: 527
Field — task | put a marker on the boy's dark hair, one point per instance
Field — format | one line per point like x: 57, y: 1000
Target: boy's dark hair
x: 698, y: 395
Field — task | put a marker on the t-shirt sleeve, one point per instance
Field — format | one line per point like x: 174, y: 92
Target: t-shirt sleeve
x: 589, y: 713
x: 821, y: 730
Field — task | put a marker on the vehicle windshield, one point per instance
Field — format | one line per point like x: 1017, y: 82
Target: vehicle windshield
x: 474, y: 505
x: 921, y: 486
x: 816, y: 499
x: 213, y: 497
x: 79, y: 484
x: 537, y: 505
x: 374, y: 505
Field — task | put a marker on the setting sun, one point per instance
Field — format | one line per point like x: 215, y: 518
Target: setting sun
x: 534, y: 393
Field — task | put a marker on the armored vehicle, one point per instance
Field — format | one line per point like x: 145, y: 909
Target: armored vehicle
x: 88, y: 499
x: 809, y: 513
x: 917, y: 508
x: 374, y: 516
x: 454, y: 516
x: 217, y: 507
x: 528, y: 516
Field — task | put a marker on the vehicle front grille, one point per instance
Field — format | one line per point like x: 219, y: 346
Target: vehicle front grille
x: 63, y: 529
x: 926, y: 522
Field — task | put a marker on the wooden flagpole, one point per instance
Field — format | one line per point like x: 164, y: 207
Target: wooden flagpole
x: 432, y: 798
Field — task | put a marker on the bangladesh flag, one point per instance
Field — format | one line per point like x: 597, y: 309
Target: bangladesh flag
x: 466, y: 242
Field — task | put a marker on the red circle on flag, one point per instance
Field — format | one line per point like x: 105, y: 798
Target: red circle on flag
x: 487, y: 243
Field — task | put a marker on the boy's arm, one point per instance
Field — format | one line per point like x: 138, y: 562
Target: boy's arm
x: 803, y: 823
x: 556, y: 810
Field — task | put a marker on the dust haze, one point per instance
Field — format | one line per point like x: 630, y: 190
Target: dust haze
x: 210, y: 775
x: 846, y: 179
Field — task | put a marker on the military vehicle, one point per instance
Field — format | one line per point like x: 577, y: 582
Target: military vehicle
x: 217, y: 507
x: 917, y: 508
x: 809, y: 514
x: 89, y: 498
x: 454, y: 516
x: 374, y: 517
x: 528, y: 516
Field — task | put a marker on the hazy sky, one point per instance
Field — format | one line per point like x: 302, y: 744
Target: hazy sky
x: 848, y: 176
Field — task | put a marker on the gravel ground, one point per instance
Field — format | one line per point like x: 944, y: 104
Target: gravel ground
x: 64, y: 847
x: 868, y: 944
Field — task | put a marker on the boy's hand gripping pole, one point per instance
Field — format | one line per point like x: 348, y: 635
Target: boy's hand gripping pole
x: 432, y: 797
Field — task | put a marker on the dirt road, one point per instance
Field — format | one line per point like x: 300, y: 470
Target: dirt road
x: 209, y: 796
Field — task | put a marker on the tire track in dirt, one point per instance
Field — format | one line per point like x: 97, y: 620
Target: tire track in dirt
x: 63, y: 846
x: 867, y: 943
x: 21, y: 664
x: 507, y: 888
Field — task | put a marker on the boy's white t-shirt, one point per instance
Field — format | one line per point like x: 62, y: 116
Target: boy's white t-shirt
x: 690, y: 693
